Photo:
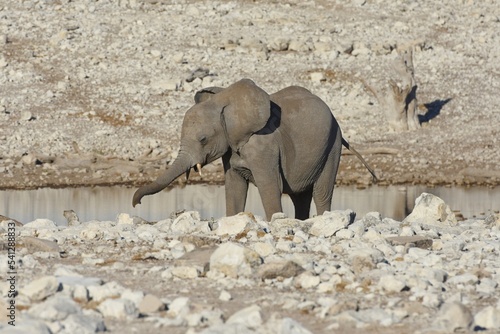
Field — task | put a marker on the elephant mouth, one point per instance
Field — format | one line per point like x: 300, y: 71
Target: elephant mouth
x: 197, y: 168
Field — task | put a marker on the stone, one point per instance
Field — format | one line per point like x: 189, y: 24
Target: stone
x: 283, y: 269
x: 307, y: 280
x: 487, y: 318
x: 279, y: 44
x: 41, y: 224
x: 330, y: 222
x: 109, y: 290
x: 71, y: 217
x: 264, y: 249
x: 466, y: 279
x: 124, y: 218
x: 147, y: 233
x: 162, y: 85
x: 133, y: 295
x: 250, y: 317
x: 87, y: 322
x: 431, y: 210
x: 118, y: 308
x: 26, y: 326
x: 79, y: 280
x: 364, y: 259
x: 55, y: 308
x: 281, y: 226
x: 391, y: 284
x: 41, y: 288
x: 179, y: 307
x: 188, y: 223
x: 487, y: 286
x: 416, y: 240
x: 235, y: 224
x: 290, y: 326
x: 317, y: 76
x: 185, y: 272
x: 454, y: 316
x: 40, y: 245
x: 234, y: 260
x: 150, y: 304
x: 225, y: 296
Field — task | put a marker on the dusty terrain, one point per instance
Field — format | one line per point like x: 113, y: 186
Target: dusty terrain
x: 94, y: 92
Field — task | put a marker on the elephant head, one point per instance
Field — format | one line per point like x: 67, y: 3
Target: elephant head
x: 222, y: 119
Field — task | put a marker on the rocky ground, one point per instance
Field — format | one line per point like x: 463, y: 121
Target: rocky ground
x: 240, y: 274
x: 93, y: 92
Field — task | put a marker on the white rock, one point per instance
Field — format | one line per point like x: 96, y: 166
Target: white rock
x: 466, y: 279
x: 124, y: 218
x: 391, y: 284
x: 487, y: 286
x: 286, y: 325
x: 431, y: 210
x: 26, y: 115
x: 41, y: 288
x: 317, y: 76
x: 234, y: 260
x: 185, y: 272
x: 109, y: 290
x: 307, y: 280
x: 225, y: 296
x: 345, y: 234
x: 41, y: 224
x: 147, y: 233
x: 163, y: 85
x: 488, y: 318
x: 179, y: 307
x: 234, y: 224
x: 150, y: 304
x: 87, y: 323
x: 250, y: 317
x: 454, y: 316
x: 330, y: 222
x: 26, y: 326
x: 189, y: 222
x: 55, y: 308
x: 79, y: 280
x: 133, y: 295
x: 364, y: 259
x: 118, y: 308
x: 264, y: 248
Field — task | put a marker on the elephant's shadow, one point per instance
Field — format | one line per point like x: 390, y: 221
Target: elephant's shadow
x: 274, y: 121
x: 433, y: 110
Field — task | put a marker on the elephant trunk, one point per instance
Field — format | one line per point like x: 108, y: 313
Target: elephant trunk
x: 180, y: 166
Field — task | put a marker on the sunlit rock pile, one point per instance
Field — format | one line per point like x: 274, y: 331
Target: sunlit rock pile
x: 242, y: 274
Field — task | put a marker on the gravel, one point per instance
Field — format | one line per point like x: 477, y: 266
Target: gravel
x: 260, y: 277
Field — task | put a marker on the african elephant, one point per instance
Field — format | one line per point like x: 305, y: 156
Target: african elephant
x: 287, y: 142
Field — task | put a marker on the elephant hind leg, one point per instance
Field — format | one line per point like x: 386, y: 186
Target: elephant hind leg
x: 302, y: 204
x: 323, y: 187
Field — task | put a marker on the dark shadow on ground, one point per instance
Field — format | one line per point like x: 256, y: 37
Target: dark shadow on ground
x: 433, y: 110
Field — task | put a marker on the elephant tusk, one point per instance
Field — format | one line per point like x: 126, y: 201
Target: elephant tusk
x: 198, y: 167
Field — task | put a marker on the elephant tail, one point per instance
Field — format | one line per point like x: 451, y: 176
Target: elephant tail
x: 356, y: 153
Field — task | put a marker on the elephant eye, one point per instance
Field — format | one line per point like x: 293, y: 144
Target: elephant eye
x: 203, y: 140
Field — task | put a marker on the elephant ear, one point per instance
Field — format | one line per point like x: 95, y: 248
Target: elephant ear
x: 206, y: 93
x: 247, y: 109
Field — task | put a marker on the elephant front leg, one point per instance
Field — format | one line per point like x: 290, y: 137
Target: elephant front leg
x: 236, y: 192
x: 270, y: 193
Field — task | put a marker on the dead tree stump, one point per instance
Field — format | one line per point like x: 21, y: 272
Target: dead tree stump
x: 399, y: 102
